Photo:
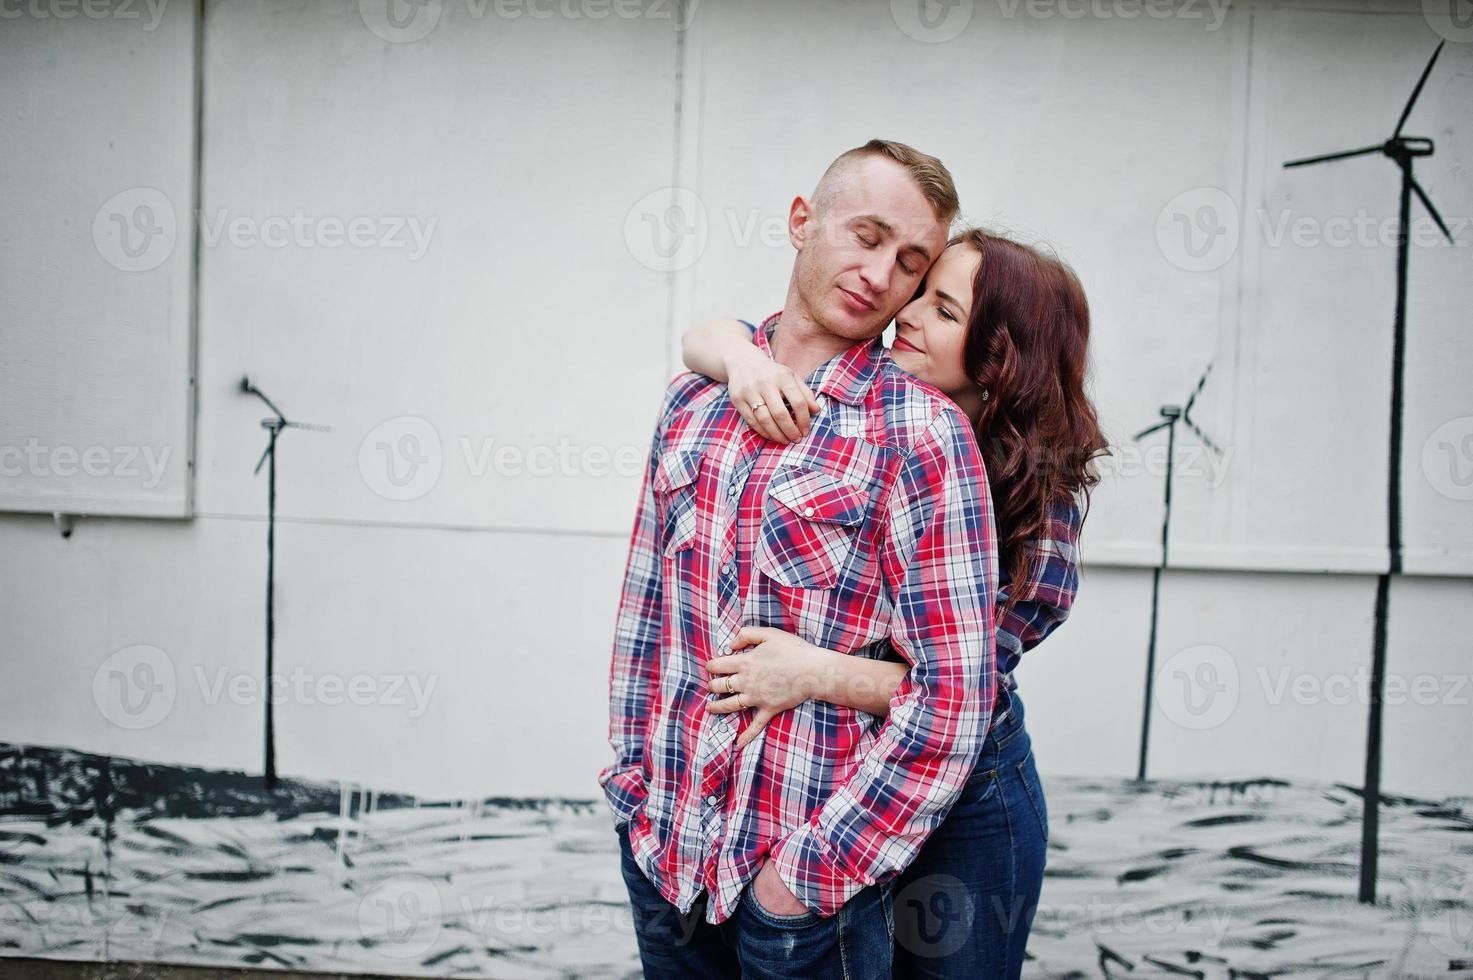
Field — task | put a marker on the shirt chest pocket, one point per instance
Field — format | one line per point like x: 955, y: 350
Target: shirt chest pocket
x: 810, y: 522
x: 675, y: 492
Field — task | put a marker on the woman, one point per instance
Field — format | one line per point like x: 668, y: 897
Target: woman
x: 1002, y: 329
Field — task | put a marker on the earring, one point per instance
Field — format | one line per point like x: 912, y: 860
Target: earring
x: 986, y: 394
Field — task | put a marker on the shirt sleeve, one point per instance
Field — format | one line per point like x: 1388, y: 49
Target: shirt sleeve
x: 634, y: 670
x: 938, y: 558
x: 1045, y: 599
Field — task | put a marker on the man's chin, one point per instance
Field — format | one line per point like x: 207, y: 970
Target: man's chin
x: 845, y: 322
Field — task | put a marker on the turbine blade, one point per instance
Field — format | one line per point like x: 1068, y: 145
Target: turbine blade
x: 246, y: 386
x: 1427, y: 203
x: 1202, y: 436
x: 1155, y: 428
x: 262, y: 459
x: 1192, y: 400
x: 1417, y: 91
x: 309, y: 426
x: 1334, y: 156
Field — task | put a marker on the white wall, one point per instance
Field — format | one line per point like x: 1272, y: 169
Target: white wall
x: 538, y: 310
x: 97, y: 121
x: 1256, y: 674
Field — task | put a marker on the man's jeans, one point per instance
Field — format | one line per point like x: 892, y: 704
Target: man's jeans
x: 855, y: 944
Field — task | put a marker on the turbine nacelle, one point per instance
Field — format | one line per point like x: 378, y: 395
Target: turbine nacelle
x: 1406, y: 147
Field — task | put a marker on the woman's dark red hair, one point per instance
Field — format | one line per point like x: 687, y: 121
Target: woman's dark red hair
x: 1027, y: 344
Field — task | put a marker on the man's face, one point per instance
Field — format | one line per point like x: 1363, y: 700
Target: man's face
x: 864, y: 251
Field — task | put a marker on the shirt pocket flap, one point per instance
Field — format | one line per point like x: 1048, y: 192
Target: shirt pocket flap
x: 818, y: 496
x: 677, y: 468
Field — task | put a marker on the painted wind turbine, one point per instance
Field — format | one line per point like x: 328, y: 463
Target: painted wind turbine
x: 1402, y: 150
x: 273, y: 425
x: 1170, y: 416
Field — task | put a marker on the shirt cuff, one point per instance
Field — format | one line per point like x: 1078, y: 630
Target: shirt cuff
x: 812, y: 872
x: 626, y: 791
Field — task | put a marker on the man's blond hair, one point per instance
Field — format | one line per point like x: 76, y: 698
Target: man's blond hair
x: 929, y: 174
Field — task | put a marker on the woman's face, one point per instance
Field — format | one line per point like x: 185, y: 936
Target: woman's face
x: 931, y: 329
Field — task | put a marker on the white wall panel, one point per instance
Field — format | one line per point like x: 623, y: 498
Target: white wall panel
x: 97, y: 121
x: 1429, y: 692
x: 437, y: 663
x: 1319, y: 259
x: 518, y: 318
x: 1250, y: 672
x: 1083, y: 687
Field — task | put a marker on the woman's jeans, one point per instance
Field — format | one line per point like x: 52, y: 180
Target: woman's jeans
x: 755, y: 944
x: 965, y: 905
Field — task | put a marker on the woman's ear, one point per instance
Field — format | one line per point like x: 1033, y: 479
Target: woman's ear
x: 800, y: 216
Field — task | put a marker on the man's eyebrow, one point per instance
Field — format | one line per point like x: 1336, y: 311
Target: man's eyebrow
x: 922, y: 250
x: 889, y: 229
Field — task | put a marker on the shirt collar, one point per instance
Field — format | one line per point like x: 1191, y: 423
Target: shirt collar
x: 845, y: 376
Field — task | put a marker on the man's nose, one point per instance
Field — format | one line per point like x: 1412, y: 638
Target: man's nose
x: 877, y: 273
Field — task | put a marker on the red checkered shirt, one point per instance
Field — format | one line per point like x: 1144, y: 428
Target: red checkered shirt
x: 875, y: 529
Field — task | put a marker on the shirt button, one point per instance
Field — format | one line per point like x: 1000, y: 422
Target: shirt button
x: 710, y: 801
x: 726, y: 569
x: 731, y: 490
x: 808, y: 512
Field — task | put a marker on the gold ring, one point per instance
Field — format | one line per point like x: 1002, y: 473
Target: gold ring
x: 740, y: 695
x: 757, y: 405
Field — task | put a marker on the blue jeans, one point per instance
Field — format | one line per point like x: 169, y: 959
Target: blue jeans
x: 965, y: 906
x: 855, y: 944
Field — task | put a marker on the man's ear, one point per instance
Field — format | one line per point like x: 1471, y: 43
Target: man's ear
x: 800, y: 220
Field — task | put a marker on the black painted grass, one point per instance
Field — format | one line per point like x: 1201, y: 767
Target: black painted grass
x: 106, y: 858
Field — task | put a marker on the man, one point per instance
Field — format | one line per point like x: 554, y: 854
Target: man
x: 873, y: 529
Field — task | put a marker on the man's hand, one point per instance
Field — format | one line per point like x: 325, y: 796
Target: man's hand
x: 773, y: 895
